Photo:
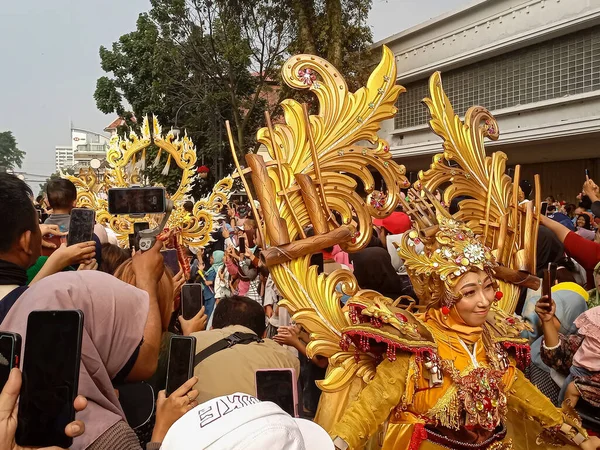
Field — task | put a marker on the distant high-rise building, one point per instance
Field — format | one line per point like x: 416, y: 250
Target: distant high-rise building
x: 63, y: 157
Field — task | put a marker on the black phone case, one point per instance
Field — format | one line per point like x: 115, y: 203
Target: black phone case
x: 15, y: 354
x: 185, y: 299
x: 67, y: 442
x: 190, y: 373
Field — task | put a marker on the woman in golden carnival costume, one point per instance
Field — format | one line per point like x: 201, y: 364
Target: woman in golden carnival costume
x: 454, y: 382
x: 446, y: 378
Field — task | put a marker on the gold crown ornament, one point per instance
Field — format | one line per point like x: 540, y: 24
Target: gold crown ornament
x: 490, y: 205
x: 452, y: 252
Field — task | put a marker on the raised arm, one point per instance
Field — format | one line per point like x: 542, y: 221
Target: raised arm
x: 586, y: 253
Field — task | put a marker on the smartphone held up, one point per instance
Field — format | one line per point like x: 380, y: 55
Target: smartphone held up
x: 192, y: 300
x: 279, y: 386
x: 136, y: 200
x: 180, y: 366
x: 81, y: 226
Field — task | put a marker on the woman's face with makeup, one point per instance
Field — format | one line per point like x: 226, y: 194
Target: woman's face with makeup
x: 477, y: 292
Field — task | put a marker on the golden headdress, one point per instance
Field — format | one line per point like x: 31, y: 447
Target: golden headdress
x: 489, y: 205
x: 453, y: 251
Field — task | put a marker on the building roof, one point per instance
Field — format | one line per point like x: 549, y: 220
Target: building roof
x: 430, y: 23
x: 118, y: 122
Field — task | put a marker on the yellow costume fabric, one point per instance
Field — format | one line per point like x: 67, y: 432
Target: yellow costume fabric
x: 400, y: 393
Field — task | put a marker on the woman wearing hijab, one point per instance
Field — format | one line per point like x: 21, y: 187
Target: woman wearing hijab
x: 121, y: 335
x: 448, y: 378
x: 570, y: 300
x: 373, y: 270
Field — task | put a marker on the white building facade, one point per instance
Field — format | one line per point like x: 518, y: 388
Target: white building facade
x: 63, y: 157
x: 535, y: 64
x: 88, y: 145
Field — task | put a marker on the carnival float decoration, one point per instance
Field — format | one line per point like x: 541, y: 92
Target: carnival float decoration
x: 127, y: 159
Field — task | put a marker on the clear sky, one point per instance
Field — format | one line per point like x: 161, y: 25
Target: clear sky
x: 50, y: 62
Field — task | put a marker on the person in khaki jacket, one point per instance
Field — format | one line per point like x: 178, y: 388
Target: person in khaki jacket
x: 232, y: 351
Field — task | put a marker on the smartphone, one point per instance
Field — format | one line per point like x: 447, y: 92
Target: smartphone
x: 81, y: 226
x: 10, y: 354
x: 544, y: 208
x: 587, y: 174
x: 279, y: 386
x: 137, y: 200
x: 192, y: 300
x: 242, y: 245
x: 180, y: 366
x: 170, y: 259
x: 548, y: 281
x: 139, y: 226
x: 50, y: 378
x: 317, y: 260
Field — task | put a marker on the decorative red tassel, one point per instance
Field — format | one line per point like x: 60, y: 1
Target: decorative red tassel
x: 418, y: 436
x: 499, y: 295
x: 445, y: 310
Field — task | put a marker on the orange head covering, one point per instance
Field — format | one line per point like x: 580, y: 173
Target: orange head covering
x: 453, y: 324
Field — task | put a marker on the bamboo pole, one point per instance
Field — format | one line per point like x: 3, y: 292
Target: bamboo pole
x: 278, y: 159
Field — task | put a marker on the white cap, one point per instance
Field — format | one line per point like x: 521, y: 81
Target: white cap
x: 241, y: 421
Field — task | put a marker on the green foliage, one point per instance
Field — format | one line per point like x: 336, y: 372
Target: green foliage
x: 199, y: 63
x: 337, y: 31
x: 10, y: 156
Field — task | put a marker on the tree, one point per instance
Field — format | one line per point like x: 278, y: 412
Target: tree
x: 206, y: 61
x: 337, y: 31
x: 10, y: 156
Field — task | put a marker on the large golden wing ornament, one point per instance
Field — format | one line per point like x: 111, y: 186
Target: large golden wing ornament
x: 491, y: 208
x: 311, y: 182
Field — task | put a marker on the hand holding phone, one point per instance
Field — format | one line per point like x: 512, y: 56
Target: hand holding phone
x: 10, y: 395
x: 242, y: 245
x: 195, y: 324
x: 81, y: 226
x: 545, y: 308
x: 172, y: 408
